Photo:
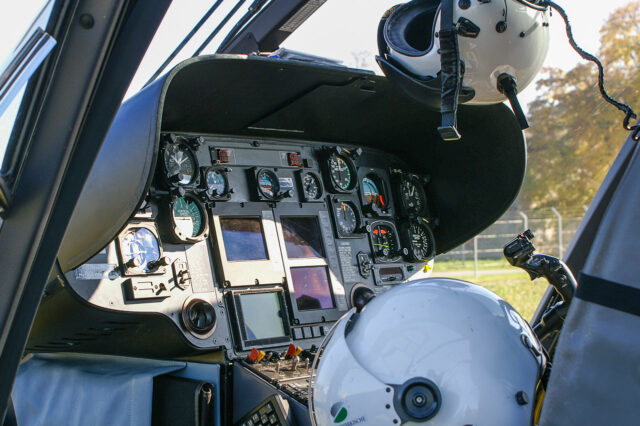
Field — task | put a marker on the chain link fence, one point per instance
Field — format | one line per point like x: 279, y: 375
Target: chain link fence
x: 553, y: 230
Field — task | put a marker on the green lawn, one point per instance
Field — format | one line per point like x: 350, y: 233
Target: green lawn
x: 514, y: 287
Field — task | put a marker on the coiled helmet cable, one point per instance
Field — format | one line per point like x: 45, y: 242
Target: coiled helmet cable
x: 630, y: 114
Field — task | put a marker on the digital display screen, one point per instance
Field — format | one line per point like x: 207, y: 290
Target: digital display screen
x: 262, y: 315
x: 311, y: 288
x: 243, y: 238
x: 302, y: 237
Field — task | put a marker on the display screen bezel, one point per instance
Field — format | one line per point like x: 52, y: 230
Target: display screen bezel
x: 243, y: 342
x: 330, y: 261
x: 239, y: 273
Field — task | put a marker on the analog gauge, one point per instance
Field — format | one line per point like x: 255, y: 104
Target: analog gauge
x: 311, y: 186
x: 139, y: 247
x: 342, y: 173
x: 385, y: 242
x: 188, y: 218
x: 268, y: 185
x: 216, y: 183
x: 420, y: 241
x: 346, y: 218
x: 372, y: 192
x: 414, y: 200
x: 180, y: 164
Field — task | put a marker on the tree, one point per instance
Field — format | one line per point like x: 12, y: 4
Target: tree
x: 575, y: 135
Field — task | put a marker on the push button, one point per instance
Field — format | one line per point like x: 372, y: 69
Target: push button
x: 307, y: 332
x: 297, y: 333
x: 317, y: 331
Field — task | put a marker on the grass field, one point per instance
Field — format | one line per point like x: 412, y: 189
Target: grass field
x: 512, y: 284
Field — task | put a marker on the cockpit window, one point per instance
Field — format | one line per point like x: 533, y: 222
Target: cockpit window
x: 26, y: 32
x: 345, y: 30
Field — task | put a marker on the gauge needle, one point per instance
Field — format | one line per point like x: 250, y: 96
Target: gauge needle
x: 181, y: 160
x: 381, y: 245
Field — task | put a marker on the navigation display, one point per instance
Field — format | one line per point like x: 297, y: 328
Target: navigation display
x: 302, y: 236
x: 311, y: 288
x: 243, y: 238
x: 262, y: 315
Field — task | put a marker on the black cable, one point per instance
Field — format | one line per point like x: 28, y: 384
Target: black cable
x: 219, y: 27
x: 589, y: 57
x: 186, y: 40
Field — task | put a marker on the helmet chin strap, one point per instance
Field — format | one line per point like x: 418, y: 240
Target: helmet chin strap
x: 450, y: 72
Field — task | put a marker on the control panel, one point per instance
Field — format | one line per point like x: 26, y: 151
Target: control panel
x: 261, y: 244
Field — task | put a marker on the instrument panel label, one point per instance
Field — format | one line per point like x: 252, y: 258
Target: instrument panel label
x: 97, y: 271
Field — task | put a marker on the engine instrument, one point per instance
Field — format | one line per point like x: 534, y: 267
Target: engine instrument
x: 384, y: 238
x: 342, y: 173
x: 180, y: 163
x: 347, y: 218
x: 190, y: 222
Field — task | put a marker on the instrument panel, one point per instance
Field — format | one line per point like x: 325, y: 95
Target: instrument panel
x: 248, y: 244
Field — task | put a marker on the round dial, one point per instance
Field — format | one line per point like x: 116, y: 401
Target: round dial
x: 180, y: 164
x: 268, y: 184
x: 311, y: 186
x: 414, y: 200
x: 216, y: 183
x: 346, y: 218
x: 188, y: 218
x: 385, y: 241
x: 342, y: 173
x: 138, y: 247
x: 421, y: 242
x: 372, y: 190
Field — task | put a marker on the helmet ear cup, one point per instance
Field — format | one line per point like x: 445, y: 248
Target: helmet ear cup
x: 409, y: 29
x: 383, y: 48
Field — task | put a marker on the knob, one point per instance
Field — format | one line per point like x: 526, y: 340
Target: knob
x: 134, y: 262
x: 199, y: 317
x: 155, y: 264
x: 286, y: 194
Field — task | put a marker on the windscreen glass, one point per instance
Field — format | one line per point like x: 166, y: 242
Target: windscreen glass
x: 243, y: 238
x: 262, y: 315
x: 311, y: 288
x: 302, y: 237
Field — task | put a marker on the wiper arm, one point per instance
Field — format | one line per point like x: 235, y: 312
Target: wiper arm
x: 184, y: 42
x: 219, y: 27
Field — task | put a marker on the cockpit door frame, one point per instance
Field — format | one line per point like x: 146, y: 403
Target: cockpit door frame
x: 100, y: 45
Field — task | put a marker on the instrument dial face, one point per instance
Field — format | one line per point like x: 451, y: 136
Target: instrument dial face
x: 138, y: 247
x: 413, y: 197
x: 372, y: 191
x: 346, y: 218
x: 312, y: 187
x: 178, y: 159
x: 216, y: 183
x: 188, y: 217
x: 421, y: 242
x: 385, y: 241
x: 342, y: 172
x: 268, y: 184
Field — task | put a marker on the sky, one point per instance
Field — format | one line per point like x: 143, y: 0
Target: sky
x: 336, y: 30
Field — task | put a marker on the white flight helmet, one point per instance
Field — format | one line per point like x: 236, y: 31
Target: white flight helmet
x: 438, y: 350
x: 495, y: 37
